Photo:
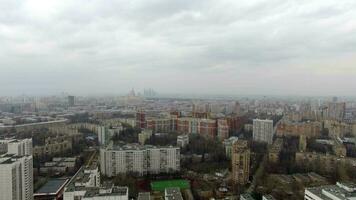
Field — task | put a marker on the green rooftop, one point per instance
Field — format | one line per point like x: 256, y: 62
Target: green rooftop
x: 162, y: 185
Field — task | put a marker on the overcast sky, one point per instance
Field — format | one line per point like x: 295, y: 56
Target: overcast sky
x: 279, y: 47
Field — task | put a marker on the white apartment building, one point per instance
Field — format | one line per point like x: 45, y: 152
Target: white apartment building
x: 16, y: 177
x: 340, y: 191
x: 102, y: 135
x: 182, y: 140
x: 263, y: 130
x: 19, y: 147
x: 139, y: 159
x: 228, y: 143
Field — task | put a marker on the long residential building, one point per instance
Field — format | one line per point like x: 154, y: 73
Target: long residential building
x: 198, y: 123
x: 204, y: 127
x: 16, y: 177
x: 327, y: 161
x: 54, y: 145
x: 308, y: 129
x: 139, y: 159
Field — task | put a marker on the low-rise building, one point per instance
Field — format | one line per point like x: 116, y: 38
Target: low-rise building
x: 144, y: 135
x: 338, y: 148
x: 340, y: 191
x: 53, y: 146
x: 144, y: 196
x: 107, y: 193
x: 59, y: 165
x: 182, y: 140
x: 246, y: 196
x: 53, y: 189
x: 172, y: 194
x: 85, y: 185
x: 268, y: 197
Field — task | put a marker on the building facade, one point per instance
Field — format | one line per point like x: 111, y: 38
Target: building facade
x: 263, y: 130
x: 240, y: 159
x: 336, y: 110
x: 308, y: 129
x: 139, y: 159
x: 16, y: 177
x: 182, y: 140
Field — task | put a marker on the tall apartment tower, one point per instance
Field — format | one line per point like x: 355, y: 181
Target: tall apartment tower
x: 263, y: 130
x: 240, y: 160
x: 141, y: 119
x: 71, y: 100
x: 336, y: 110
x: 103, y: 135
x: 237, y: 108
x: 16, y: 177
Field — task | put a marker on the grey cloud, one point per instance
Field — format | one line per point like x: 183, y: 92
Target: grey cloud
x: 125, y: 43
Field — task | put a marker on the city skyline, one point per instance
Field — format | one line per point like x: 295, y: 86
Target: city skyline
x: 205, y: 47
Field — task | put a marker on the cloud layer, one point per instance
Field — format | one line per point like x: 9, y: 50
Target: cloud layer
x: 180, y: 46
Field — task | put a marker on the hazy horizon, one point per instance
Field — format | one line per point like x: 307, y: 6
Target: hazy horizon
x: 264, y: 47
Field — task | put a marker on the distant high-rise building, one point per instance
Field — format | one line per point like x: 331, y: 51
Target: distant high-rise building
x: 336, y: 111
x: 223, y: 129
x: 149, y: 92
x: 102, y: 135
x: 16, y: 177
x: 240, y: 160
x: 334, y: 99
x: 140, y: 119
x: 71, y: 100
x: 237, y: 109
x: 132, y: 93
x: 263, y: 130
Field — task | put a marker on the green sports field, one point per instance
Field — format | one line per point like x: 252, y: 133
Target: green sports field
x: 161, y: 185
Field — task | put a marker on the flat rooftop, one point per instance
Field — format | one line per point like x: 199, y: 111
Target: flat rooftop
x: 53, y: 186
